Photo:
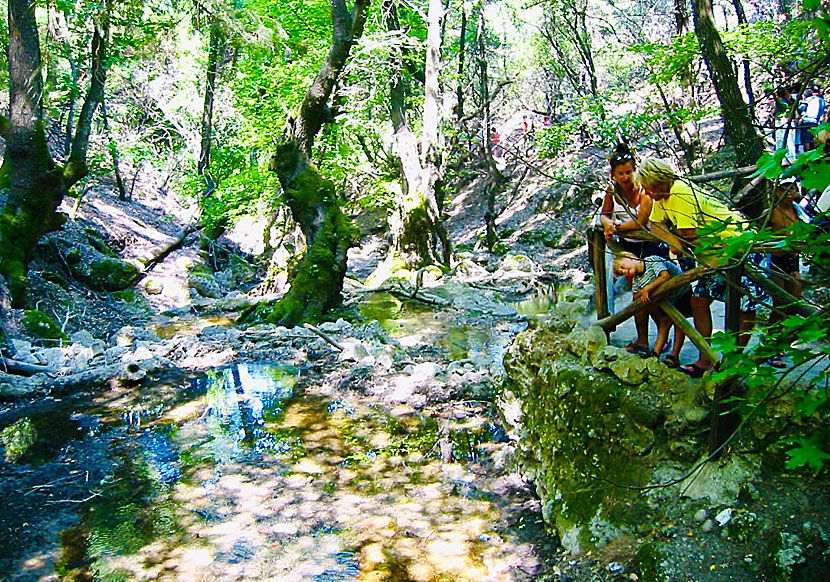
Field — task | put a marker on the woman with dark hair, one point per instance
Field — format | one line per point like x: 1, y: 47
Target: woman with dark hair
x: 626, y: 208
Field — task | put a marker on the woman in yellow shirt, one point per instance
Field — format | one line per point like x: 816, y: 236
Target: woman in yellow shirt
x: 686, y: 218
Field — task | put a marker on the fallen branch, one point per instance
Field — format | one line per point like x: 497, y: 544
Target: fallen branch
x: 22, y: 368
x: 612, y: 321
x: 325, y: 337
x: 711, y: 177
x: 161, y: 253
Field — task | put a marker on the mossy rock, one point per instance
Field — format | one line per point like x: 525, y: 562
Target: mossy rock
x: 41, y: 325
x: 98, y: 243
x: 18, y: 438
x: 102, y: 273
x: 134, y: 299
x: 584, y: 428
x: 73, y: 257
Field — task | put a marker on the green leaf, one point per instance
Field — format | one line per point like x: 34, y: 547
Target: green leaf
x: 811, y: 4
x: 769, y: 164
x: 808, y: 453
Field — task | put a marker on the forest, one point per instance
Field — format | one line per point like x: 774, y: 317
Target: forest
x: 264, y: 262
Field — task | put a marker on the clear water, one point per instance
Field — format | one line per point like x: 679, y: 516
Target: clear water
x: 248, y: 472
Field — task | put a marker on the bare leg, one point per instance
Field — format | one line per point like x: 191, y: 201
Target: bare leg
x: 641, y: 323
x: 679, y: 338
x: 663, y: 327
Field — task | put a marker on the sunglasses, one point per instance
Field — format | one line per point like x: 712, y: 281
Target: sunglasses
x: 622, y: 158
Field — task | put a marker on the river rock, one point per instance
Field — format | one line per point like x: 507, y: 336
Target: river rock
x: 517, y: 263
x: 720, y: 481
x: 582, y: 426
x: 353, y: 351
x: 87, y: 340
x: 205, y: 285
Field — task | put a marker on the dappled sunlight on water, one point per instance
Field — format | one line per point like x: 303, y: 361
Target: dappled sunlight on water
x: 247, y: 475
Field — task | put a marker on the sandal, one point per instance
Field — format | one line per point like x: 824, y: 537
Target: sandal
x: 693, y: 370
x: 671, y: 361
x: 647, y: 354
x: 633, y: 348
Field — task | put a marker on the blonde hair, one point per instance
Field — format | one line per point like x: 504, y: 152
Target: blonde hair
x: 619, y: 258
x: 655, y: 172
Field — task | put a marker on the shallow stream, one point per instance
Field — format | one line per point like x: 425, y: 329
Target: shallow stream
x: 262, y: 471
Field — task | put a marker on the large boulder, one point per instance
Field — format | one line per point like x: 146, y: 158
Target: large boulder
x: 597, y: 426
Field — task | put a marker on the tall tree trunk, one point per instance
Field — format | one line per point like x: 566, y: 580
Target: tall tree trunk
x: 215, y: 48
x: 416, y: 223
x: 741, y: 14
x: 36, y: 183
x: 34, y: 191
x: 113, y: 149
x: 313, y: 200
x: 738, y: 126
x: 433, y: 182
x: 495, y: 177
x: 462, y: 47
x: 76, y: 168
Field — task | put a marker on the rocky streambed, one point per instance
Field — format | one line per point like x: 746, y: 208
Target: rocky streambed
x: 393, y: 448
x: 195, y: 450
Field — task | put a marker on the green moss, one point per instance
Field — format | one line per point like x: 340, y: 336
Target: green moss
x: 112, y: 274
x: 132, y: 298
x: 582, y: 438
x: 73, y: 257
x: 18, y: 439
x: 41, y: 325
x: 316, y: 287
x: 98, y: 243
x: 13, y: 245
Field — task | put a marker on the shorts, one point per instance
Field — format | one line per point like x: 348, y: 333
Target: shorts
x: 712, y: 286
x: 684, y: 303
x: 785, y: 263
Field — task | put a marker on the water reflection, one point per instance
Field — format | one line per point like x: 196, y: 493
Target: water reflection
x: 252, y: 475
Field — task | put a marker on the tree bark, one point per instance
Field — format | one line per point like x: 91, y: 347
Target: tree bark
x: 462, y: 47
x: 313, y: 200
x: 113, y: 149
x: 741, y: 14
x: 738, y: 125
x: 76, y: 168
x: 416, y: 224
x: 495, y: 177
x: 216, y: 46
x: 36, y: 184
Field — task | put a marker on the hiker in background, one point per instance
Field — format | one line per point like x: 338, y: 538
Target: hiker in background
x: 785, y: 213
x: 813, y: 106
x: 782, y: 118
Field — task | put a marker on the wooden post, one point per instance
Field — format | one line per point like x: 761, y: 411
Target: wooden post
x: 596, y: 244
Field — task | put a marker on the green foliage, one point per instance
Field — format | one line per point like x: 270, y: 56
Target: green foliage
x: 42, y: 326
x: 18, y: 438
x: 672, y: 60
x: 804, y: 339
